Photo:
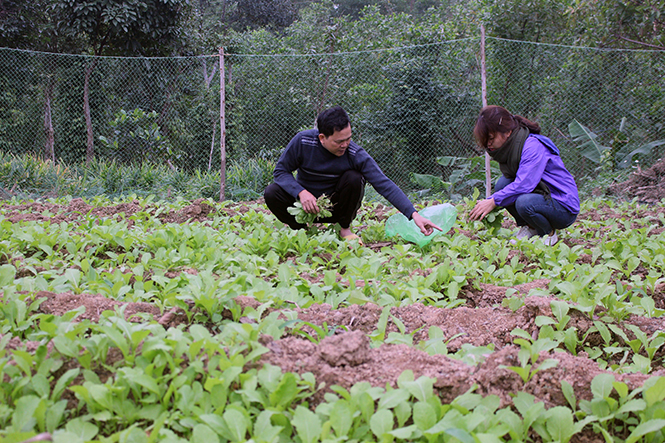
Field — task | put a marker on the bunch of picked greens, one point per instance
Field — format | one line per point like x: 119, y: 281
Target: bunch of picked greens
x: 493, y: 220
x: 323, y: 202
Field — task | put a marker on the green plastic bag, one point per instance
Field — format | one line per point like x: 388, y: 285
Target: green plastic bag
x: 443, y: 216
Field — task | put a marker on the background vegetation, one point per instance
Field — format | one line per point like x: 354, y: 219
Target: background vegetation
x: 137, y: 82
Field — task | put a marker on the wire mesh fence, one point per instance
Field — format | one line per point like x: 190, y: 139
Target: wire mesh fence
x: 617, y: 96
x: 140, y: 109
x: 409, y: 106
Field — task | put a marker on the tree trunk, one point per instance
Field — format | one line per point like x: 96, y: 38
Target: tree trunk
x: 223, y: 17
x: 90, y: 146
x: 49, y: 147
x: 208, y: 78
x: 212, y: 145
x: 324, y: 92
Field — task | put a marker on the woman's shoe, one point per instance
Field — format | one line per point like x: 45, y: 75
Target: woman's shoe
x: 551, y: 239
x: 525, y: 232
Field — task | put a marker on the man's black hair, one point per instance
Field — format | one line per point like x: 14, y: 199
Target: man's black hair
x: 331, y: 120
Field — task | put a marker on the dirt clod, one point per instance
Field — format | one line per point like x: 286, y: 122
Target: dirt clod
x: 351, y: 348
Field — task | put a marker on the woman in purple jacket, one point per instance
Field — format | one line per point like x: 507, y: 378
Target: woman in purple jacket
x: 536, y: 188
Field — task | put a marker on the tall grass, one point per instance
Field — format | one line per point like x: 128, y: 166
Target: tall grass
x: 248, y: 178
x: 28, y: 176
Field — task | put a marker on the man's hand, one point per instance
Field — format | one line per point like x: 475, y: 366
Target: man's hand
x: 308, y: 202
x: 426, y: 226
x: 482, y: 208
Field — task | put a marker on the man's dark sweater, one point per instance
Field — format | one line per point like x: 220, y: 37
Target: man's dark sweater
x: 319, y: 170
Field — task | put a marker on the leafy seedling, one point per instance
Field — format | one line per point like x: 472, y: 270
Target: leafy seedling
x: 529, y: 353
x: 320, y: 332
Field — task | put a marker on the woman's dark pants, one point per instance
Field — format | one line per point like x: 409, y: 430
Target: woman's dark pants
x: 544, y: 214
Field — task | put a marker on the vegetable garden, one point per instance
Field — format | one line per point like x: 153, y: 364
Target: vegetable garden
x: 140, y: 320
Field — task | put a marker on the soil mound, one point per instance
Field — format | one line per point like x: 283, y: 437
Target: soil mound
x: 647, y: 186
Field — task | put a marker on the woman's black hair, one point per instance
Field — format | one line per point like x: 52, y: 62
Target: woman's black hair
x: 495, y: 119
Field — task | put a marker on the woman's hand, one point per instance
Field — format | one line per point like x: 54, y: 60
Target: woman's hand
x: 482, y: 208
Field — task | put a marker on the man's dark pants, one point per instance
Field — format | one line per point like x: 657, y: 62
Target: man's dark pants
x: 346, y: 200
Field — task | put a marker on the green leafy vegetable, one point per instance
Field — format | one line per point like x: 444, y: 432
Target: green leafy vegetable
x: 493, y: 220
x: 323, y: 202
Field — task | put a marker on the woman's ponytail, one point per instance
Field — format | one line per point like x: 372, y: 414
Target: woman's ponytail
x: 533, y: 127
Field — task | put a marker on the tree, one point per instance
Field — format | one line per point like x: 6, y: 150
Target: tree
x: 273, y: 14
x: 28, y: 25
x: 638, y: 24
x: 126, y: 27
x: 415, y: 8
x: 531, y: 20
x: 424, y: 110
x: 19, y: 23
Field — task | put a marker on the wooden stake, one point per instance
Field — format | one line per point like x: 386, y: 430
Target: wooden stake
x: 222, y: 126
x: 483, y: 82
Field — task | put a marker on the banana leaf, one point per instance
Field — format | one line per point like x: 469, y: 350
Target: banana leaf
x: 623, y: 159
x: 590, y: 147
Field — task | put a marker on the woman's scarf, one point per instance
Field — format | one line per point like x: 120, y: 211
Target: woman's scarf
x: 509, y: 155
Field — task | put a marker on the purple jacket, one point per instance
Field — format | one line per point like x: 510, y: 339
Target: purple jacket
x: 540, y: 161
